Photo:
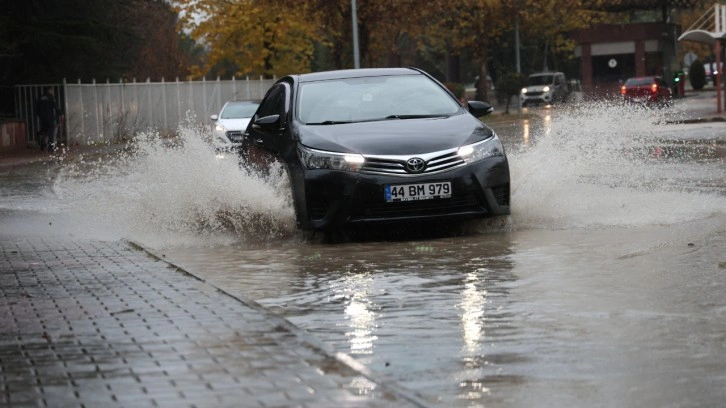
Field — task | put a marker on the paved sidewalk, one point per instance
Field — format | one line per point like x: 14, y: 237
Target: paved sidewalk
x: 106, y: 324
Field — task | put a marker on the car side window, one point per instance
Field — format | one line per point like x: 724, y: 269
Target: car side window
x: 276, y: 102
x: 271, y: 102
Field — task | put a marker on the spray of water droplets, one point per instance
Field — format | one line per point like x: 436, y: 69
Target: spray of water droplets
x: 158, y: 188
x: 605, y: 164
x: 592, y: 166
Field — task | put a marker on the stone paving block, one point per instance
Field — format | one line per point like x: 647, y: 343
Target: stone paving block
x: 106, y: 324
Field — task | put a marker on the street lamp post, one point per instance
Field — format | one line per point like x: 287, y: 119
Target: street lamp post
x: 356, y: 57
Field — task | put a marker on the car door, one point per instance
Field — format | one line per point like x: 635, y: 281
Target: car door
x: 267, y: 133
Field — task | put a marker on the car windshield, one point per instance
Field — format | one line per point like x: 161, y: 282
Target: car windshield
x: 239, y: 110
x: 540, y: 80
x: 639, y: 81
x: 373, y: 98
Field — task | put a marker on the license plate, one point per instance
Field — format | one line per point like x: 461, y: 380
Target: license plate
x: 413, y: 192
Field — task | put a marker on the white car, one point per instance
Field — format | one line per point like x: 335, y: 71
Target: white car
x: 545, y: 88
x: 229, y: 126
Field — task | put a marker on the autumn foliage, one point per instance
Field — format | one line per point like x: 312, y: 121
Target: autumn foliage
x: 276, y: 37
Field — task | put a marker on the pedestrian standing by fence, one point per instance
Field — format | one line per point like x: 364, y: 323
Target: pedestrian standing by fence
x: 49, y: 114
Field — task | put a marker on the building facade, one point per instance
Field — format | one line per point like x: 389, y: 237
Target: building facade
x: 611, y: 53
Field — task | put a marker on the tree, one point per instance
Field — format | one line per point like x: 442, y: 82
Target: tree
x: 509, y: 85
x: 273, y: 37
x: 466, y: 26
x: 545, y: 25
x: 46, y: 41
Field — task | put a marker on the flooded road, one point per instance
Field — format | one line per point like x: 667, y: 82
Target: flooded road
x: 605, y: 289
x: 614, y: 317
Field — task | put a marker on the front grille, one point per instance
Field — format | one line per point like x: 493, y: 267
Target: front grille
x: 235, y: 136
x: 501, y: 194
x: 381, y: 209
x: 534, y: 93
x: 395, y: 165
x: 318, y: 207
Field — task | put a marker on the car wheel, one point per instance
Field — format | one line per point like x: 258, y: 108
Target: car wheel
x: 297, y: 194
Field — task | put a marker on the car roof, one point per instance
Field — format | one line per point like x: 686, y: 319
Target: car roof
x: 355, y: 73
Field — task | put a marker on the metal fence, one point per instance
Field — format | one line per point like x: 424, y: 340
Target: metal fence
x: 107, y: 112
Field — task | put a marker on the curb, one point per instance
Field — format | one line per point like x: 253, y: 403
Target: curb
x: 307, y: 339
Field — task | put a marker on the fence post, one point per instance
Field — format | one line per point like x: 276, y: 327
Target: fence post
x: 83, y: 109
x: 151, y: 109
x: 178, y: 102
x: 95, y: 103
x: 138, y: 102
x: 204, y: 88
x: 64, y: 112
x: 191, y: 97
x: 122, y: 116
x: 218, y: 88
x: 106, y: 106
x: 163, y: 95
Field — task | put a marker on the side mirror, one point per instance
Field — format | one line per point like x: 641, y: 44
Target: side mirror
x: 214, y: 117
x: 267, y: 122
x: 479, y: 108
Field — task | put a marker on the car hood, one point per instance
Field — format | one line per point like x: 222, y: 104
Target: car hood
x: 396, y: 136
x: 234, y: 124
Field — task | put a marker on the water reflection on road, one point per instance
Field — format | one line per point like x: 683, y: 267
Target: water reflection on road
x: 418, y: 311
x: 508, y: 319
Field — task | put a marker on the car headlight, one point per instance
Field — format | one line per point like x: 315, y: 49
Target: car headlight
x: 524, y: 90
x: 318, y: 159
x: 219, y: 128
x: 546, y: 89
x: 481, y: 150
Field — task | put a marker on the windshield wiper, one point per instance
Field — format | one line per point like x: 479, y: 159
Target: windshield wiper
x: 331, y: 122
x: 416, y: 116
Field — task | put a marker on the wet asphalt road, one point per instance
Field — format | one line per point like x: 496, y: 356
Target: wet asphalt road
x: 605, y: 289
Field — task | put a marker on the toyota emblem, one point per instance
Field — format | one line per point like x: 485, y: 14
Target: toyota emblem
x: 415, y: 165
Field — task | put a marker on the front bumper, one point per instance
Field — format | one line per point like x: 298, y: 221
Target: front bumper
x: 535, y: 97
x: 347, y: 199
x: 227, y: 141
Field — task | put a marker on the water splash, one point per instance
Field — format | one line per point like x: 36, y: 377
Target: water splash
x: 593, y: 165
x: 598, y: 165
x: 161, y: 189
